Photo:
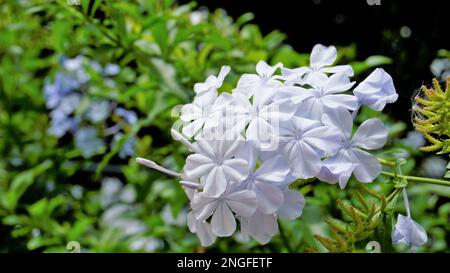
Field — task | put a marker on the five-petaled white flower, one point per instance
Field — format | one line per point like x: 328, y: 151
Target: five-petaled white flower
x: 351, y: 157
x: 263, y: 181
x: 325, y: 93
x: 223, y: 221
x: 304, y: 142
x: 216, y: 161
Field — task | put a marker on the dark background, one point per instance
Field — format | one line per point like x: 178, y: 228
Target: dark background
x: 375, y: 29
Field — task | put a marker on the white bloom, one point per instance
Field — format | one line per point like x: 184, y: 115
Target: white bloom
x: 376, y: 90
x: 407, y: 231
x: 203, y: 113
x: 259, y: 122
x: 351, y: 158
x: 305, y: 142
x: 207, y: 91
x: 215, y: 160
x: 206, y: 108
x: 325, y: 93
x: 263, y: 180
x: 223, y: 222
x: 260, y: 86
x: 321, y: 59
x: 198, y: 16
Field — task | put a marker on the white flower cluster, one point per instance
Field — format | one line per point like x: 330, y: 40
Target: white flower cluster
x: 250, y: 144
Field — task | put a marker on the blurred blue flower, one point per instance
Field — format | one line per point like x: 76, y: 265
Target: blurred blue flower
x: 147, y: 244
x: 414, y: 140
x: 113, y: 191
x: 111, y: 69
x: 441, y: 68
x: 128, y: 115
x: 128, y: 149
x: 98, y: 111
x: 87, y: 141
x: 433, y: 166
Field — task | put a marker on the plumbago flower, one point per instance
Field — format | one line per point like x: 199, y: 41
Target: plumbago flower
x: 216, y: 161
x: 376, y: 90
x: 406, y: 230
x: 321, y: 59
x: 351, y: 157
x: 249, y: 144
x: 326, y: 93
x: 304, y: 142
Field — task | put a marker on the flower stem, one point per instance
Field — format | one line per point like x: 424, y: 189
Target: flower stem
x: 386, y: 162
x: 284, y: 238
x: 418, y: 179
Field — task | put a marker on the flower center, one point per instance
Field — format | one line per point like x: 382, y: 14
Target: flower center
x: 347, y: 144
x: 318, y: 92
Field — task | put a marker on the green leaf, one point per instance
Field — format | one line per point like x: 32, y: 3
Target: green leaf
x: 24, y: 180
x: 370, y: 62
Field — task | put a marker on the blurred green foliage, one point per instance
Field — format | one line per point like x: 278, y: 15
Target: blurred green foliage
x: 50, y: 194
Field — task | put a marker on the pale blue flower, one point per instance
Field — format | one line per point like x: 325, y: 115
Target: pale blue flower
x: 87, y: 141
x: 325, y: 93
x: 216, y: 161
x: 441, y: 68
x: 98, y: 111
x: 111, y: 69
x: 351, y: 157
x: 263, y: 181
x: 304, y: 142
x: 129, y: 116
x: 407, y: 231
x: 376, y: 90
x: 233, y: 200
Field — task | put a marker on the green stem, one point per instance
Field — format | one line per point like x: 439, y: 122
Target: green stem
x: 284, y: 238
x: 411, y: 178
x: 386, y: 162
x: 418, y: 179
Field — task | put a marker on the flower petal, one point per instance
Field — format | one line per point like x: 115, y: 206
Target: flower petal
x: 340, y: 100
x: 367, y: 168
x: 372, y: 134
x: 293, y: 205
x: 243, y: 202
x: 268, y: 196
x: 322, y: 56
x: 304, y: 160
x: 205, y: 234
x: 216, y: 182
x: 236, y: 169
x: 274, y: 169
x: 264, y: 70
x: 341, y: 119
x: 262, y: 227
x: 223, y: 222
